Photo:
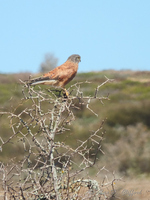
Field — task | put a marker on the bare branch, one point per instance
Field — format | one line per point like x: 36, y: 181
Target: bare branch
x: 50, y: 168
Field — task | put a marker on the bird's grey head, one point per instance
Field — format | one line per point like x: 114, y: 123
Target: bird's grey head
x: 74, y: 58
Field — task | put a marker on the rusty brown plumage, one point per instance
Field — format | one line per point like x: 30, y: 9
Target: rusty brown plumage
x: 61, y: 75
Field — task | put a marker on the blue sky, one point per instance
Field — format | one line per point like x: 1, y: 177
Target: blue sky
x: 108, y: 34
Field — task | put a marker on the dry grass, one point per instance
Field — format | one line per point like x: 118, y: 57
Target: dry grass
x: 135, y: 189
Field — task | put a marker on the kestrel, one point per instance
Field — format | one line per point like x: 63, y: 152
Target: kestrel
x: 61, y: 75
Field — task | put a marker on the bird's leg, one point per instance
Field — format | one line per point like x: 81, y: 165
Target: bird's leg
x: 65, y: 93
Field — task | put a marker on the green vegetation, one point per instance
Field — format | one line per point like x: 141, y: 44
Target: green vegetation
x: 127, y: 138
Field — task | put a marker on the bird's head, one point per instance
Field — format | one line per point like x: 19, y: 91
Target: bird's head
x: 74, y: 58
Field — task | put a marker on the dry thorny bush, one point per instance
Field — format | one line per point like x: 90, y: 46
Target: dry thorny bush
x: 48, y: 168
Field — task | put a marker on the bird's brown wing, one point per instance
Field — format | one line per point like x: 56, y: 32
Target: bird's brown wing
x: 59, y: 76
x: 63, y: 74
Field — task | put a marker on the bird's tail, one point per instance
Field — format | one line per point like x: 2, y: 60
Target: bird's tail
x: 42, y: 80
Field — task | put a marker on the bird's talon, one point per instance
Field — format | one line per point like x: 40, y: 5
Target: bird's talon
x: 65, y: 93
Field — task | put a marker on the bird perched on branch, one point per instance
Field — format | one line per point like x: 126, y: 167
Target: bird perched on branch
x: 61, y: 75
